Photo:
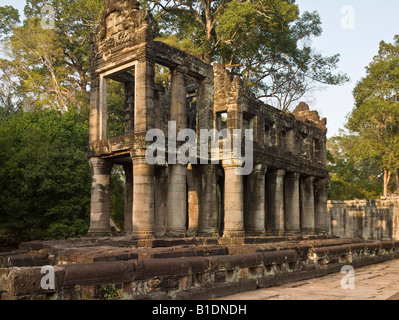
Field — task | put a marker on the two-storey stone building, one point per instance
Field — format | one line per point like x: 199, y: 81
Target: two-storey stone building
x: 286, y: 193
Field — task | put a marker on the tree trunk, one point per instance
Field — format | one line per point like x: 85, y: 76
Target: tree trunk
x: 387, y: 177
x: 397, y: 180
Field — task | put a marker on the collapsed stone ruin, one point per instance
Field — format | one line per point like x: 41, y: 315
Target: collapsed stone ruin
x: 197, y: 230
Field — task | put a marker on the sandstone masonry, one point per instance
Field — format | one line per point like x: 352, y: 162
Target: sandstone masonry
x: 286, y: 193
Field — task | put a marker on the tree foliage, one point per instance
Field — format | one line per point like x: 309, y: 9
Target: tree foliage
x: 373, y: 124
x: 49, y: 67
x: 44, y: 175
x: 264, y: 41
x: 351, y: 178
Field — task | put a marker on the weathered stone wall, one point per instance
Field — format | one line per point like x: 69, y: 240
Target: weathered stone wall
x: 366, y: 219
x: 196, y: 273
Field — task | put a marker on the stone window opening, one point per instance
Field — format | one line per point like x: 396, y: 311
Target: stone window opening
x: 267, y: 135
x: 270, y: 134
x: 317, y: 149
x: 162, y: 76
x: 289, y: 140
x: 192, y: 110
x: 117, y: 97
x: 221, y: 122
x: 248, y: 122
x: 283, y: 141
x: 305, y: 142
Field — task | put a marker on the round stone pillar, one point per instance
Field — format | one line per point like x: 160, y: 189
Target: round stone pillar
x: 100, y: 201
x: 255, y: 215
x: 307, y: 205
x: 143, y: 199
x: 177, y: 201
x: 292, y: 204
x: 208, y: 204
x: 233, y: 203
x: 275, y: 202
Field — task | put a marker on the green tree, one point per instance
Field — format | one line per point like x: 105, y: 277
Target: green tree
x: 9, y: 17
x: 264, y: 41
x: 34, y: 57
x: 374, y: 122
x: 49, y: 67
x: 350, y: 178
x: 44, y: 175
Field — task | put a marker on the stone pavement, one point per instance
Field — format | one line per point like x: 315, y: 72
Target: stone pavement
x: 373, y: 282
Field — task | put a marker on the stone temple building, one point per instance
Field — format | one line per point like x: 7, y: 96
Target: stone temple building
x: 286, y: 192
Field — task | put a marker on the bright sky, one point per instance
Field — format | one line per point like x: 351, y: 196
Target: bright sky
x: 352, y: 28
x: 356, y: 41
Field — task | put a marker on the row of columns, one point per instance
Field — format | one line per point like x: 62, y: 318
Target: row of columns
x: 269, y: 203
x: 293, y: 205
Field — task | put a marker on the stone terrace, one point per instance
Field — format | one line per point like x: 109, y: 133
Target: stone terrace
x: 191, y: 268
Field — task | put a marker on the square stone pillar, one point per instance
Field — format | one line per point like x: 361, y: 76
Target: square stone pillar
x: 100, y: 201
x: 307, y: 205
x: 320, y: 199
x: 94, y: 122
x: 144, y: 102
x: 128, y: 209
x: 233, y: 203
x: 208, y: 203
x: 143, y: 199
x: 255, y: 215
x: 292, y: 204
x: 275, y: 202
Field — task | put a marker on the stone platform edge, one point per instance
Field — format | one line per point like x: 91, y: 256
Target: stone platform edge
x: 192, y: 278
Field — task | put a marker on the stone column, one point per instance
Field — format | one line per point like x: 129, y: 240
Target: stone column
x: 275, y: 202
x: 208, y: 204
x: 255, y: 215
x: 178, y: 93
x: 161, y: 199
x: 233, y: 203
x: 177, y: 201
x: 100, y: 201
x: 144, y: 101
x: 177, y: 192
x: 292, y: 204
x: 128, y: 212
x: 94, y: 129
x: 143, y: 199
x: 307, y: 205
x: 320, y: 200
x: 193, y: 185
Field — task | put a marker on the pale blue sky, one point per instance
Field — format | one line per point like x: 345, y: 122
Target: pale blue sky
x: 374, y: 21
